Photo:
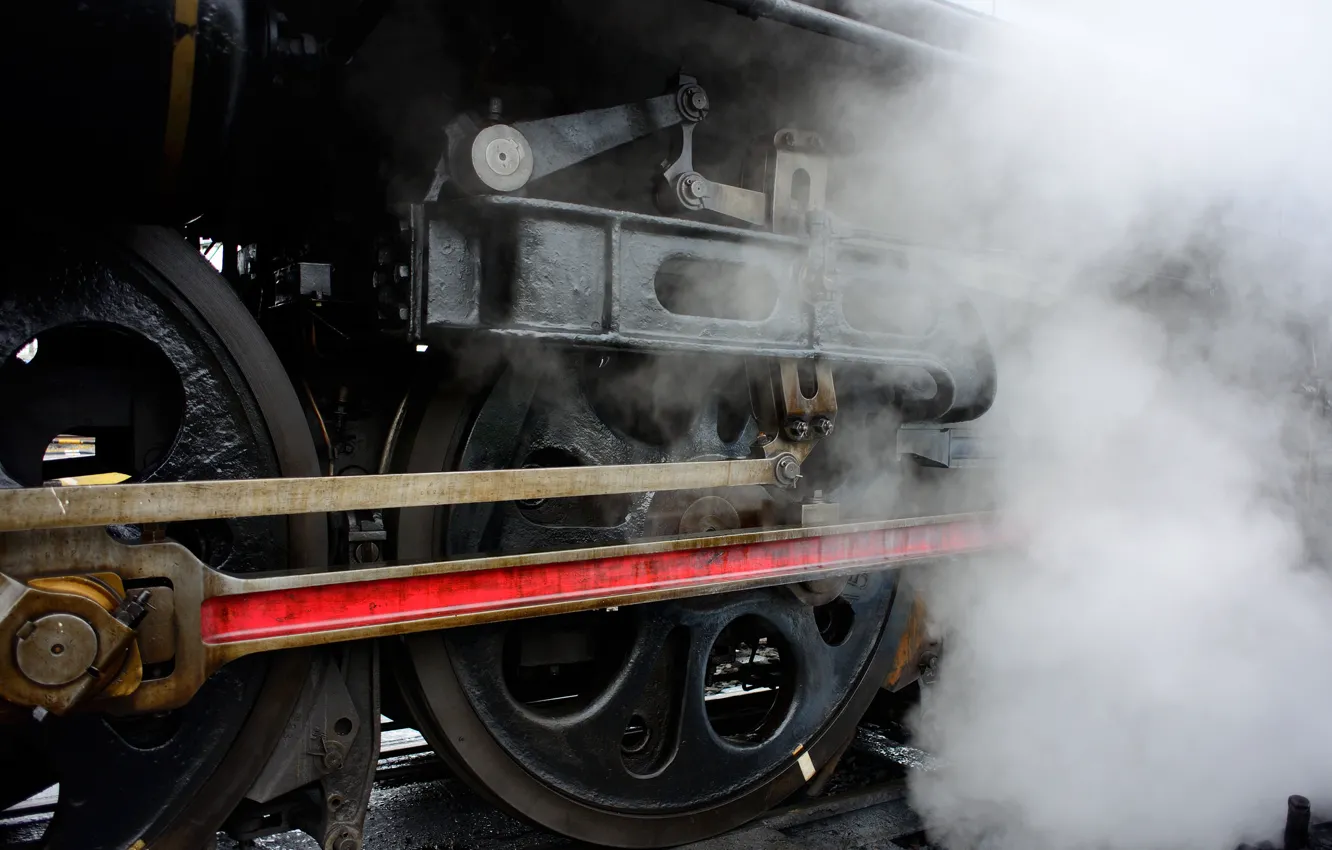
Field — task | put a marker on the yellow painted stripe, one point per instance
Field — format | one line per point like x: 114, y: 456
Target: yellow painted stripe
x: 97, y: 478
x: 181, y: 89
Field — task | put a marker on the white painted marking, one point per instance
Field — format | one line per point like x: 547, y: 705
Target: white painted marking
x: 806, y: 766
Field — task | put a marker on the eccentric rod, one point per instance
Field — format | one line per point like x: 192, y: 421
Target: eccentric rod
x: 177, y: 501
x: 841, y: 27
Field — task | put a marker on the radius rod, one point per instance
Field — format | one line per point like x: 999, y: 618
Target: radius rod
x: 178, y: 501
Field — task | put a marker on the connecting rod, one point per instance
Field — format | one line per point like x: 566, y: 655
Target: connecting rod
x: 207, y: 618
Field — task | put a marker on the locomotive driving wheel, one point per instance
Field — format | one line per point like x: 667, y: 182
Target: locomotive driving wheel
x: 655, y: 724
x: 137, y: 345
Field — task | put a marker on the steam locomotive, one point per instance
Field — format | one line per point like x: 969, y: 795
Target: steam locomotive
x: 507, y: 370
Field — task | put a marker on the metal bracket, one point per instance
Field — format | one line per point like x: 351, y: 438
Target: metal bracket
x: 366, y: 536
x: 791, y: 170
x: 791, y: 421
x: 320, y: 776
x: 943, y: 448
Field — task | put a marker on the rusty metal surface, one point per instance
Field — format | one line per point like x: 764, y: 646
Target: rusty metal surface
x: 909, y: 622
x: 174, y: 501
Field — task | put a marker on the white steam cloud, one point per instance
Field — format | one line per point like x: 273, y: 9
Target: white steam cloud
x: 1150, y: 669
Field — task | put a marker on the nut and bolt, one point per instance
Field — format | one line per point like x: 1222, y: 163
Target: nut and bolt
x: 797, y: 429
x: 334, y: 757
x: 788, y: 139
x: 403, y: 271
x: 787, y: 471
x: 694, y: 103
x: 693, y: 186
x: 823, y: 426
x: 504, y: 156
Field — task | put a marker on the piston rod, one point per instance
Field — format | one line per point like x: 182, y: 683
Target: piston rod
x: 178, y: 501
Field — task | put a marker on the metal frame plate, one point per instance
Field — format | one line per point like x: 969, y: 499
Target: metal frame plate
x: 522, y: 268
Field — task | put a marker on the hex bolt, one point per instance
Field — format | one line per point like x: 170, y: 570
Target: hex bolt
x: 494, y: 109
x: 823, y: 426
x: 797, y: 429
x: 403, y: 271
x: 788, y: 139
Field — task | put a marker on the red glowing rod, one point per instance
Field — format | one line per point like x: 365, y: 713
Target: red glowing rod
x: 539, y: 587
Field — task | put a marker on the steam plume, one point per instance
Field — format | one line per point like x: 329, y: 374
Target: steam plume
x: 1150, y: 667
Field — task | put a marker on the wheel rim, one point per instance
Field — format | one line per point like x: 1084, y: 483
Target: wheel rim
x: 147, y: 302
x: 629, y: 740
